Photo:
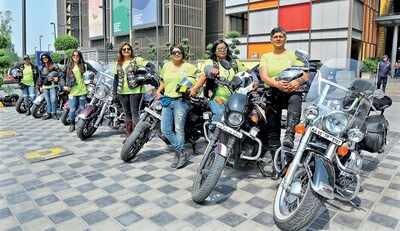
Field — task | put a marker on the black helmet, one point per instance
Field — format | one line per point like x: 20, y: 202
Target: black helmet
x: 27, y: 57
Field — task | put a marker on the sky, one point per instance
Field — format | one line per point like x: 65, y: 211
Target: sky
x: 39, y: 14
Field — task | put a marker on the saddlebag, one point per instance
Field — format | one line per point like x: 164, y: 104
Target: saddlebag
x: 376, y: 131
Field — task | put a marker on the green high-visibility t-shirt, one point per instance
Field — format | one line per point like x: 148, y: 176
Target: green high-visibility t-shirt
x: 79, y: 88
x: 171, y: 77
x: 126, y: 90
x: 27, y: 76
x: 223, y: 92
x: 276, y: 63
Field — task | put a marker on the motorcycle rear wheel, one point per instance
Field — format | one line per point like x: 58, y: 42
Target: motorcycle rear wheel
x: 64, y: 117
x: 135, y: 141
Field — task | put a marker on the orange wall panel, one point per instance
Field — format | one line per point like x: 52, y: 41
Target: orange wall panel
x: 255, y: 50
x: 263, y: 5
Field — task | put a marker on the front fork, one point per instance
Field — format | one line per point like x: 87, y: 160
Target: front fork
x: 103, y: 110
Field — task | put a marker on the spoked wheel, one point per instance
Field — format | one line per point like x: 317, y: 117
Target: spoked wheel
x: 296, y: 207
x: 21, y: 106
x: 39, y: 110
x: 86, y: 128
x: 135, y: 141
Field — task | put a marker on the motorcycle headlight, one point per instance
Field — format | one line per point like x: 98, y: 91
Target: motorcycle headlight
x: 336, y: 122
x: 157, y: 105
x: 101, y: 92
x: 355, y: 135
x: 235, y: 118
x: 311, y: 113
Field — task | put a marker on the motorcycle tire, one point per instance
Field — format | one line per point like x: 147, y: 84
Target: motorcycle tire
x: 203, y: 187
x: 20, y: 106
x: 85, y: 128
x: 304, y: 215
x: 39, y: 110
x: 135, y: 141
x: 64, y: 117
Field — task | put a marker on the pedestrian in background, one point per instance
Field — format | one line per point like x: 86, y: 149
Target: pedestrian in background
x: 383, y: 73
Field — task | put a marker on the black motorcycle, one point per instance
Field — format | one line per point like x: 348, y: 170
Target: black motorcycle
x: 234, y: 139
x: 339, y: 122
x: 23, y: 103
x: 150, y: 120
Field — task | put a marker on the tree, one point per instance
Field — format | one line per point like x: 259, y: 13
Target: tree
x: 5, y: 41
x: 207, y: 54
x: 7, y: 55
x: 5, y: 22
x: 187, y: 48
x: 56, y: 57
x: 66, y: 42
x: 234, y: 42
x: 151, y: 53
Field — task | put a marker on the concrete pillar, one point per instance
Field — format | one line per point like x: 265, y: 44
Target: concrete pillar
x: 394, y: 48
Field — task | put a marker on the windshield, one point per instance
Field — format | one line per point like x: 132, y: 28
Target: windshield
x: 338, y: 89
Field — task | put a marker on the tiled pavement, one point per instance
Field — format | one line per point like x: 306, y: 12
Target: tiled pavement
x: 94, y: 190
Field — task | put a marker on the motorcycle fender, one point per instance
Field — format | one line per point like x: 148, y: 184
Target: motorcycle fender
x: 323, y: 179
x: 87, y: 112
x: 39, y: 99
x: 221, y: 149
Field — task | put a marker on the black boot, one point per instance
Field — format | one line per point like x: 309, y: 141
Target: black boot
x: 175, y: 160
x: 72, y: 127
x: 183, y: 159
x: 55, y: 116
x: 293, y: 118
x: 46, y: 116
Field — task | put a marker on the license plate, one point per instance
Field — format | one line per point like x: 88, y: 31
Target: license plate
x: 327, y: 136
x: 153, y: 113
x: 229, y: 130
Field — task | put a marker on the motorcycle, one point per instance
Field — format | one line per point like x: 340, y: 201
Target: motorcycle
x: 100, y: 108
x: 25, y: 102
x: 39, y: 106
x: 90, y: 82
x: 339, y: 122
x: 149, y: 124
x: 234, y: 139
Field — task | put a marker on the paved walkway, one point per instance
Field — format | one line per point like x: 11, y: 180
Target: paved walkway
x: 94, y: 190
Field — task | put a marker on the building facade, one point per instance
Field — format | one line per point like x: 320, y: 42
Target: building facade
x: 325, y: 28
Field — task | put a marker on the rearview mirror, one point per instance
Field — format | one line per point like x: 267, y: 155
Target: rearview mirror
x: 302, y: 55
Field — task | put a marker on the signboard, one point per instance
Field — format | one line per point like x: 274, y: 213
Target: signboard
x: 145, y: 13
x: 120, y: 16
x: 95, y: 15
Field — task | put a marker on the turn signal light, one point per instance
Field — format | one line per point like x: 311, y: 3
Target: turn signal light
x: 300, y: 129
x: 342, y: 150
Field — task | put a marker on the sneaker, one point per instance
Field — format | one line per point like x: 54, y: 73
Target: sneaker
x: 46, y: 116
x: 183, y: 159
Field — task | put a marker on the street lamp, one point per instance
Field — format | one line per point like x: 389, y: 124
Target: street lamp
x: 40, y: 42
x: 54, y: 30
x: 48, y: 47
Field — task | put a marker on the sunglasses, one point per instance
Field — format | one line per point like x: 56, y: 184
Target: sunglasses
x: 176, y: 53
x: 126, y: 49
x: 222, y: 49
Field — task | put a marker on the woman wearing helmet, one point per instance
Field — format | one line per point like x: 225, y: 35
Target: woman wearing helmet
x: 175, y: 108
x: 75, y: 85
x: 48, y: 79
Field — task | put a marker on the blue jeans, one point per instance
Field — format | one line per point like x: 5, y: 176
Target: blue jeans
x: 29, y: 91
x: 51, y: 100
x: 174, y: 115
x: 75, y: 103
x: 217, y: 110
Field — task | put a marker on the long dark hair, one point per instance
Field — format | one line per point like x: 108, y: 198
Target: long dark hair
x: 81, y: 62
x: 214, y: 49
x: 120, y: 59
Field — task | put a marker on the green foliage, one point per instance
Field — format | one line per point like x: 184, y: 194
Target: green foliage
x: 370, y: 65
x: 187, y: 48
x: 5, y: 22
x: 151, y: 53
x: 68, y: 53
x: 5, y: 41
x: 56, y: 57
x: 207, y: 54
x: 66, y: 42
x: 233, y: 35
x: 7, y: 58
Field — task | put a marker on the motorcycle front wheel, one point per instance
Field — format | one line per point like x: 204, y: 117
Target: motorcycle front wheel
x: 136, y: 140
x: 296, y: 210
x: 20, y: 106
x: 39, y: 110
x: 207, y: 175
x: 85, y: 127
x: 64, y: 116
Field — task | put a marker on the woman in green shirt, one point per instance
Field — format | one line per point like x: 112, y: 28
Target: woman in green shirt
x: 285, y: 94
x: 175, y: 108
x: 74, y: 83
x: 129, y: 96
x: 218, y: 94
x: 28, y: 82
